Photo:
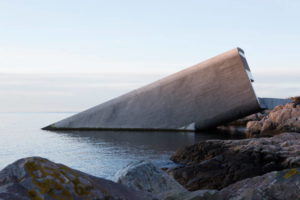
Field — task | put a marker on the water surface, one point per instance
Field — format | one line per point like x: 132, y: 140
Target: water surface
x: 100, y: 153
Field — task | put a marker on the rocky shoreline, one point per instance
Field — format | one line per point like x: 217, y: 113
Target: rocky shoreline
x: 266, y: 165
x: 283, y: 118
x: 215, y: 164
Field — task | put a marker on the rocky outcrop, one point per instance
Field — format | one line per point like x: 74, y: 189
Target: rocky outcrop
x: 215, y: 164
x: 254, y: 117
x: 281, y: 118
x: 38, y: 178
x: 144, y: 176
x: 279, y: 185
x: 295, y: 100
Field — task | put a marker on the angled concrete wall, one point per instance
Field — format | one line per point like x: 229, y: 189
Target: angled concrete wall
x: 202, y: 96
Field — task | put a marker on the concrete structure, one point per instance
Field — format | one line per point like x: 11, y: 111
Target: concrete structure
x: 270, y: 103
x: 213, y: 92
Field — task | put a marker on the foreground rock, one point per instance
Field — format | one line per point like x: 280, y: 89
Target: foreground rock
x: 38, y: 178
x: 144, y: 176
x: 282, y: 118
x: 215, y: 164
x: 282, y: 185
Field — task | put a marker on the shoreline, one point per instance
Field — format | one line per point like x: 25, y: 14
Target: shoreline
x: 210, y: 169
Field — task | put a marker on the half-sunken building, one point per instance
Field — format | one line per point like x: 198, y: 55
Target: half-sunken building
x: 202, y: 96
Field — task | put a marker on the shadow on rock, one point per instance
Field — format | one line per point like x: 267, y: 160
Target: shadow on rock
x: 215, y: 164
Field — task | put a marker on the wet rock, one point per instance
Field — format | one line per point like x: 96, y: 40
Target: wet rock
x: 38, y: 178
x: 282, y: 118
x: 144, y: 176
x: 279, y: 185
x: 215, y: 164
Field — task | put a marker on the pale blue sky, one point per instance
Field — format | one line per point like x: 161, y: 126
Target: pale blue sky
x: 70, y: 55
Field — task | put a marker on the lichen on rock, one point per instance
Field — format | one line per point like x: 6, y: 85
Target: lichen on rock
x: 37, y: 178
x: 279, y: 185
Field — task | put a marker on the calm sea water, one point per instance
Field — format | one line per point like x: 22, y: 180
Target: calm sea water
x: 100, y: 153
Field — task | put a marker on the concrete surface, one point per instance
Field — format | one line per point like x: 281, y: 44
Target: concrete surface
x: 205, y: 95
x: 270, y: 103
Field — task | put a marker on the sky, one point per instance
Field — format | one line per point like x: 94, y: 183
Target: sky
x: 66, y: 56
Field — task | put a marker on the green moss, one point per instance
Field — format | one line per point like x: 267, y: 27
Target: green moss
x: 56, y: 174
x: 30, y: 168
x: 48, y: 186
x: 33, y: 195
x: 54, y: 186
x: 290, y: 173
x: 79, y: 188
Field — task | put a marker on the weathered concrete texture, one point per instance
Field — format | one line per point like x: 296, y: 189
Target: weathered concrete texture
x: 202, y: 96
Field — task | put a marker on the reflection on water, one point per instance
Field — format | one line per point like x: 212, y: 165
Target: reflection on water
x: 155, y: 141
x: 100, y: 153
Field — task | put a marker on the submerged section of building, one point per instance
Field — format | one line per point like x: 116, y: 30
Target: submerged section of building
x: 203, y: 96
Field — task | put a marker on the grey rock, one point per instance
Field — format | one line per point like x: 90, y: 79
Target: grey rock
x: 38, y: 178
x: 144, y: 176
x: 278, y: 185
x: 195, y: 195
x: 215, y: 164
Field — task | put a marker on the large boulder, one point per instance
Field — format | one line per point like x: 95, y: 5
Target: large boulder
x: 279, y: 185
x: 281, y: 118
x: 38, y: 178
x: 144, y: 176
x: 215, y: 164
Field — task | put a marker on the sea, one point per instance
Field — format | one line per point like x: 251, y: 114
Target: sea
x: 99, y: 153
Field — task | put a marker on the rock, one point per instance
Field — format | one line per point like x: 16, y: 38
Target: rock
x: 279, y: 185
x: 215, y: 164
x: 237, y: 128
x: 295, y: 100
x: 254, y: 117
x: 38, y: 178
x: 144, y: 176
x: 196, y: 195
x: 254, y: 128
x: 281, y: 119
